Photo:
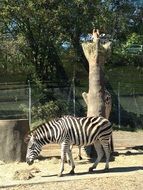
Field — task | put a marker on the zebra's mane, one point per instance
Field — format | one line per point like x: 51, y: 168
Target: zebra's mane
x: 37, y: 127
x: 54, y: 119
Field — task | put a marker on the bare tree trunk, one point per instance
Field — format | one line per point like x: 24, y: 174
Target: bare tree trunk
x: 95, y: 98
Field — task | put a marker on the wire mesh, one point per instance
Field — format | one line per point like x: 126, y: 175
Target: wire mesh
x: 20, y: 101
x: 12, y: 98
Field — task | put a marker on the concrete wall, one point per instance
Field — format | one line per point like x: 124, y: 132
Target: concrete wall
x: 12, y: 146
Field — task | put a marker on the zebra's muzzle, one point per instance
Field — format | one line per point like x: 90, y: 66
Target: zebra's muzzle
x: 29, y: 161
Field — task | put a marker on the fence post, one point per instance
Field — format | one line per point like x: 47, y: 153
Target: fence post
x: 119, y: 108
x: 74, y: 97
x: 29, y: 115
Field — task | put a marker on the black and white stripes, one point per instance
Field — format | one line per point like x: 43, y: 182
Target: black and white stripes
x: 68, y: 131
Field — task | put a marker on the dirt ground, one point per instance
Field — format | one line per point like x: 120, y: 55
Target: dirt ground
x: 126, y: 171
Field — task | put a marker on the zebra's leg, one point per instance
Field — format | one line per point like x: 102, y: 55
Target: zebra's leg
x: 69, y: 152
x: 79, y: 153
x: 107, y: 154
x: 63, y: 156
x: 67, y: 155
x: 68, y: 159
x: 100, y: 153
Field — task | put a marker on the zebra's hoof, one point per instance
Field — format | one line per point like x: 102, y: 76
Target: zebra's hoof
x: 80, y: 158
x: 90, y: 170
x: 60, y: 175
x: 106, y: 170
x: 72, y: 172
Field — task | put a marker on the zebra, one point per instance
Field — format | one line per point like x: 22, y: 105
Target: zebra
x: 70, y: 130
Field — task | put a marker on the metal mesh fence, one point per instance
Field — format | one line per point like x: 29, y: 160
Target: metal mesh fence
x: 128, y: 105
x: 19, y: 101
x: 55, y: 100
x: 12, y: 97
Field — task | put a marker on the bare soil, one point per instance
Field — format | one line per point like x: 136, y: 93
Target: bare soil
x: 126, y: 171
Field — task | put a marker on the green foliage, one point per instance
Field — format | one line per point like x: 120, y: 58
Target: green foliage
x: 48, y: 111
x: 32, y: 32
x: 120, y: 55
x: 45, y: 112
x: 133, y: 38
x: 29, y: 26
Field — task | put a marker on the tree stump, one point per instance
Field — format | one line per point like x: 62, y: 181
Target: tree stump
x: 12, y: 145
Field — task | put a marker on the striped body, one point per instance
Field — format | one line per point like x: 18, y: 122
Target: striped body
x: 68, y: 131
x: 78, y: 131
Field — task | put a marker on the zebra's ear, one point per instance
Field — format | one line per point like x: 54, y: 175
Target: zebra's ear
x: 27, y: 138
x: 34, y: 134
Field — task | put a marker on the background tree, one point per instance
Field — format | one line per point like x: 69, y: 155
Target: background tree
x: 31, y: 21
x: 39, y: 27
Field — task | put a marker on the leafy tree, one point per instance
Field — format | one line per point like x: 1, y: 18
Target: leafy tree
x: 38, y: 27
x: 133, y: 38
x: 30, y: 20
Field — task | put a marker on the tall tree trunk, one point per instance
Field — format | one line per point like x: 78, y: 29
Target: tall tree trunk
x: 95, y: 98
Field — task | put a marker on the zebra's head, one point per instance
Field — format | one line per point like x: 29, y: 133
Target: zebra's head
x: 33, y: 149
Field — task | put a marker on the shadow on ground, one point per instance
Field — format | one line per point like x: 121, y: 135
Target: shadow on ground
x: 130, y: 151
x: 140, y: 147
x: 111, y: 170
